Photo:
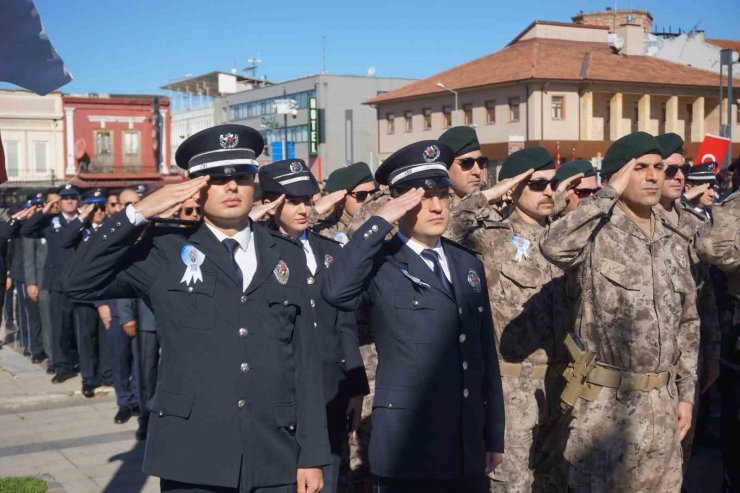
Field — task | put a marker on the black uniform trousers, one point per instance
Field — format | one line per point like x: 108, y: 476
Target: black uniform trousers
x: 147, y: 367
x: 63, y: 344
x: 170, y: 486
x: 94, y: 346
x: 125, y: 378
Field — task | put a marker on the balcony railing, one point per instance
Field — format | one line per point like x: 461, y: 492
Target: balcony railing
x: 108, y: 167
x: 16, y: 175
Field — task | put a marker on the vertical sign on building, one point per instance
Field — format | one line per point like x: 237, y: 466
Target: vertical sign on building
x: 313, y: 127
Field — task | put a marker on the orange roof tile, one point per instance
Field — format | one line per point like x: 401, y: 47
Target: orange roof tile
x: 553, y: 59
x: 730, y: 44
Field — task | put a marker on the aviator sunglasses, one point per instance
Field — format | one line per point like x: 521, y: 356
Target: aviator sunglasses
x: 468, y: 162
x: 673, y: 169
x: 540, y: 184
x: 364, y: 194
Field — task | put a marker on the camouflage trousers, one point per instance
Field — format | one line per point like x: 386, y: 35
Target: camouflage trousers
x: 358, y: 448
x: 628, y: 444
x: 534, y: 439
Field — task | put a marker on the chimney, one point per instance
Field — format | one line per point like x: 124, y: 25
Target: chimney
x: 633, y: 37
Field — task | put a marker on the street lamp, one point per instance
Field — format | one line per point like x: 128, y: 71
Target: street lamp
x: 442, y: 86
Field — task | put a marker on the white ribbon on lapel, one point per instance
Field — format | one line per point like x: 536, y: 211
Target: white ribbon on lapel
x: 193, y: 259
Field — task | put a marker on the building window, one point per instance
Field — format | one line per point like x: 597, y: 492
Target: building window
x: 635, y: 112
x: 40, y: 157
x: 446, y: 116
x: 557, y: 108
x: 12, y: 158
x: 390, y: 123
x: 253, y: 109
x: 408, y: 121
x: 514, y: 109
x: 427, y: 112
x: 103, y: 143
x: 663, y: 113
x: 467, y: 114
x: 131, y: 143
x: 491, y: 112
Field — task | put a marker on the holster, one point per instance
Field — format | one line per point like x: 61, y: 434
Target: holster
x: 576, y: 375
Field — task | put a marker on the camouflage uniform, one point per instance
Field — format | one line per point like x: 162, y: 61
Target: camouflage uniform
x: 720, y: 244
x: 636, y: 309
x: 530, y: 319
x: 368, y: 209
x: 686, y: 227
x: 333, y: 226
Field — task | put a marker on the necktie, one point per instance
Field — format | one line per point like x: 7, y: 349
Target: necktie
x: 433, y: 257
x: 231, y: 245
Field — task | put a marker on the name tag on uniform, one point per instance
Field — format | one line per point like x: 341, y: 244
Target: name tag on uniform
x: 414, y: 279
x: 522, y: 245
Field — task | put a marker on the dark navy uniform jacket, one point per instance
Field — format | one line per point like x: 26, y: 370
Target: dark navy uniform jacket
x: 62, y: 239
x: 238, y: 385
x: 438, y: 404
x: 9, y: 230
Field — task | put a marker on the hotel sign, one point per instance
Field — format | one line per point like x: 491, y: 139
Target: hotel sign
x: 313, y: 127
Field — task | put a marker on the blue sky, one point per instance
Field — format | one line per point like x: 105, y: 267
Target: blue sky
x: 135, y: 46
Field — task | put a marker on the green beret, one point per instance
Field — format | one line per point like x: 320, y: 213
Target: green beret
x: 462, y: 140
x: 536, y: 158
x: 349, y: 177
x: 572, y: 168
x: 670, y: 143
x: 627, y: 148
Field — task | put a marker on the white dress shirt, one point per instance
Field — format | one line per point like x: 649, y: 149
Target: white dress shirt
x: 418, y: 248
x: 245, y: 255
x: 310, y: 257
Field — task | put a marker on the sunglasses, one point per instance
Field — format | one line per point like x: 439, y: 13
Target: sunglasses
x: 467, y: 163
x: 190, y: 210
x: 99, y: 208
x: 540, y: 184
x: 583, y: 193
x: 363, y: 195
x: 673, y: 169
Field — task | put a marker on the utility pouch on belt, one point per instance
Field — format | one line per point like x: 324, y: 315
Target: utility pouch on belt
x: 577, y: 374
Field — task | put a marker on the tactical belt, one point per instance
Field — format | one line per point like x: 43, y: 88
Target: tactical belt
x: 585, y: 376
x: 539, y: 371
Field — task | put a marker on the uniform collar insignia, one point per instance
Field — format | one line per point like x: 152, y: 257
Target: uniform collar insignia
x: 474, y: 280
x: 282, y: 273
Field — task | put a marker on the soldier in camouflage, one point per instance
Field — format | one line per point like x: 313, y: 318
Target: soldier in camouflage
x: 358, y: 182
x: 685, y: 222
x: 636, y: 314
x: 530, y: 318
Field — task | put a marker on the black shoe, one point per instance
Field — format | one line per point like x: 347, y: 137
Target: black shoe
x: 88, y: 390
x: 38, y: 358
x: 62, y: 376
x: 136, y: 411
x: 122, y: 416
x: 26, y: 352
x: 141, y: 431
x: 50, y: 370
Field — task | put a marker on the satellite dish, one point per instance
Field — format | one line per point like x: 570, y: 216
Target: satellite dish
x: 371, y: 72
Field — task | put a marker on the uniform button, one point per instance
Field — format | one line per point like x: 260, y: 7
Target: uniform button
x: 480, y: 309
x: 105, y: 237
x: 465, y: 365
x: 313, y: 304
x: 462, y: 338
x: 161, y: 413
x: 459, y: 310
x: 416, y: 302
x: 241, y: 403
x: 285, y: 302
x: 375, y: 227
x: 243, y: 332
x: 291, y: 427
x: 244, y: 367
x: 119, y: 224
x: 390, y: 404
x: 243, y: 299
x: 366, y: 236
x: 309, y: 280
x: 113, y: 230
x: 315, y: 325
x: 190, y: 289
x: 466, y: 393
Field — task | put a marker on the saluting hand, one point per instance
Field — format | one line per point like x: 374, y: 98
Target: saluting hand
x: 500, y: 189
x: 258, y: 211
x: 621, y: 178
x: 327, y: 202
x: 169, y: 196
x: 394, y: 209
x: 695, y: 192
x: 50, y: 204
x: 310, y: 480
x: 565, y: 184
x: 354, y: 414
x: 24, y: 213
x: 85, y: 211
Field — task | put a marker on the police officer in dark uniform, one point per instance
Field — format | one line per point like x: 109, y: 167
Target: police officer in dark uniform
x: 438, y: 422
x: 345, y: 382
x: 238, y: 404
x: 61, y: 244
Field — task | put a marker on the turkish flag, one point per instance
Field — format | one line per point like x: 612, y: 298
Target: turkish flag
x: 712, y: 149
x: 3, y: 172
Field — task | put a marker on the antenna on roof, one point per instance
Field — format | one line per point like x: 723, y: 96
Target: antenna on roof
x: 253, y: 64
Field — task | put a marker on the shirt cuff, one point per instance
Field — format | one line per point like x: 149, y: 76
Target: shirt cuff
x: 133, y: 216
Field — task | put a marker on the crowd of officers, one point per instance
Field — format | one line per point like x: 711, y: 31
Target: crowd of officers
x: 411, y: 330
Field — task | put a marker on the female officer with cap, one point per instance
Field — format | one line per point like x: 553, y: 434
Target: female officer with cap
x: 345, y: 382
